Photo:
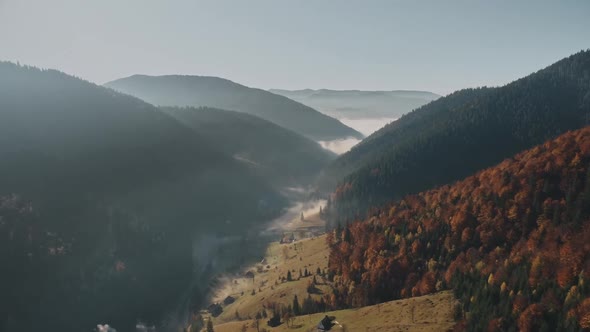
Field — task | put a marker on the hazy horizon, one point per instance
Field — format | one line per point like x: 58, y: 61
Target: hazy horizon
x: 381, y: 45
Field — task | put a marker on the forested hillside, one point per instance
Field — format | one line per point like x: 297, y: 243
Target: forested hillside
x: 511, y: 241
x: 177, y: 90
x: 280, y: 154
x: 459, y: 134
x: 101, y: 199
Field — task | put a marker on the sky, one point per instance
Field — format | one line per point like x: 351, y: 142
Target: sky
x: 438, y: 46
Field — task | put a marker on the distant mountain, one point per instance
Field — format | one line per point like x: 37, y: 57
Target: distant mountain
x: 356, y: 104
x: 271, y: 150
x: 175, y: 90
x: 511, y: 241
x: 102, y: 198
x: 459, y: 134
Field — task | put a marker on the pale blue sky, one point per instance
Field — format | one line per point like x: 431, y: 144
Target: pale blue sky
x: 437, y: 45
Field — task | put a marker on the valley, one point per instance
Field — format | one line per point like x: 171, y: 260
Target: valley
x: 424, y: 166
x: 365, y: 111
x: 265, y: 285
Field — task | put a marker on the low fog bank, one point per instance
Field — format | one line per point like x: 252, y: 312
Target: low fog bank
x: 234, y: 281
x: 339, y: 146
x: 214, y: 255
x: 218, y: 258
x: 277, y: 226
x: 366, y: 126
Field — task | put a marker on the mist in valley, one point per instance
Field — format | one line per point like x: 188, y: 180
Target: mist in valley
x: 218, y: 259
x: 366, y: 126
x: 150, y: 169
x: 221, y: 261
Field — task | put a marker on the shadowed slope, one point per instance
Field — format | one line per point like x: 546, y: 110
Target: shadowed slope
x: 176, y: 90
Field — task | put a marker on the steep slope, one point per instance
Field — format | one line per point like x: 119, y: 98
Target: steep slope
x: 266, y: 289
x: 278, y: 153
x: 216, y: 92
x: 355, y: 104
x: 511, y: 241
x: 455, y: 136
x: 101, y: 198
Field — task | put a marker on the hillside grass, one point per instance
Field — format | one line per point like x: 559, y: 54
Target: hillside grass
x: 268, y: 284
x: 420, y: 314
x: 426, y: 313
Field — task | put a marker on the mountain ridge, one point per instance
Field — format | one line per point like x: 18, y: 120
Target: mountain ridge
x: 456, y: 135
x: 507, y: 240
x: 276, y: 152
x: 359, y: 104
x: 102, y: 196
x: 191, y: 90
x: 359, y: 91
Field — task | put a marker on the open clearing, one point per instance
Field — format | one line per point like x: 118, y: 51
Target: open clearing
x: 265, y: 282
x: 420, y: 314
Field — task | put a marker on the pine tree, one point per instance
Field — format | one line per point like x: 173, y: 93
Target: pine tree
x: 338, y: 232
x: 347, y: 236
x: 296, y: 306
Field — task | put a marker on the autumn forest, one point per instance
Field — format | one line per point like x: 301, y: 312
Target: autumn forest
x: 511, y: 241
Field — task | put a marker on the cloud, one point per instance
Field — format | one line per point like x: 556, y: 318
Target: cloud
x: 366, y: 126
x: 339, y: 146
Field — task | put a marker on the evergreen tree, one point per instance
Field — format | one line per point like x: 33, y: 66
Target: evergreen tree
x: 346, y: 237
x: 416, y: 152
x: 296, y: 306
x: 275, y: 320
